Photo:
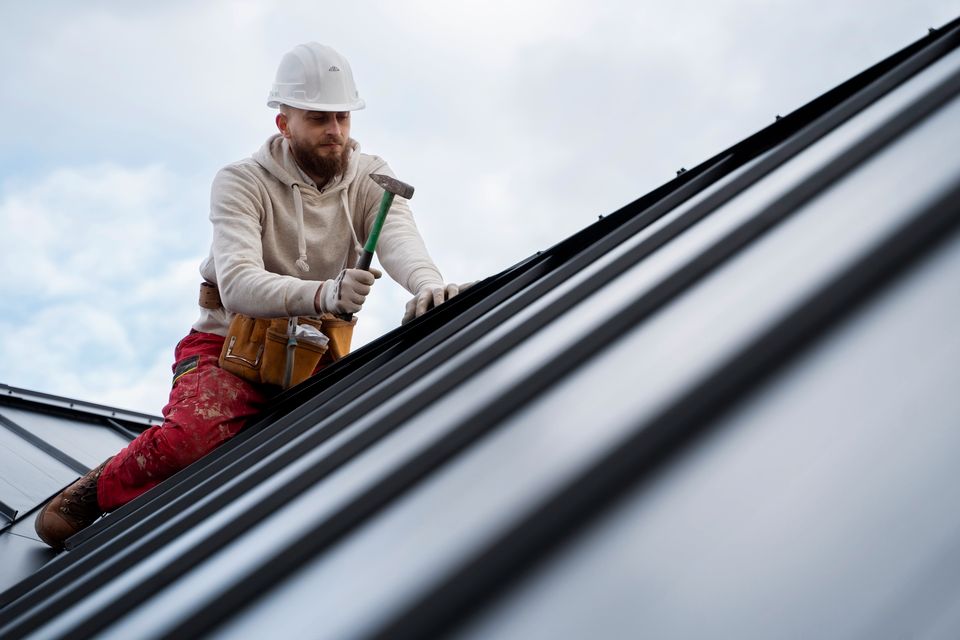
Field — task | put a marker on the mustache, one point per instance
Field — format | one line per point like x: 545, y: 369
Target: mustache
x: 339, y: 141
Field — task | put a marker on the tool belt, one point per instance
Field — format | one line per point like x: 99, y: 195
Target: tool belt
x: 274, y: 351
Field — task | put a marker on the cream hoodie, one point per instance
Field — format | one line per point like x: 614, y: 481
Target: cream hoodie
x: 276, y: 237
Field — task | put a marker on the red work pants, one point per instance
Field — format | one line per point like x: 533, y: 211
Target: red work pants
x: 207, y: 407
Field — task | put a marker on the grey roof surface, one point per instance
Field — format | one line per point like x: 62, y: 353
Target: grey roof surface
x: 47, y: 442
x: 728, y: 409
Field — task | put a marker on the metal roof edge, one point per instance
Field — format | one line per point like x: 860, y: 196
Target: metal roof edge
x: 34, y: 400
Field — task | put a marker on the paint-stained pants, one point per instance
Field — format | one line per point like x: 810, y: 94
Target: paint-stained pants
x: 207, y: 407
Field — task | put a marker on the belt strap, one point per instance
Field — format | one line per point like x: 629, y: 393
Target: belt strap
x: 210, y: 296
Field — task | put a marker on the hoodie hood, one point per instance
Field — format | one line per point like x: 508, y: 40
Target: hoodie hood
x: 275, y: 156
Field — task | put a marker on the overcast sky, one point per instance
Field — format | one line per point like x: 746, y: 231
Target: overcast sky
x: 518, y: 123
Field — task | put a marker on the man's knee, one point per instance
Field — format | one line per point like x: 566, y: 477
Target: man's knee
x: 207, y: 407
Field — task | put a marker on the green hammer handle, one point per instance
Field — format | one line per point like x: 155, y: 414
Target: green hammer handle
x: 385, y: 203
x: 367, y: 256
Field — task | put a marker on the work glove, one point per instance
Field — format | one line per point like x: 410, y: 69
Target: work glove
x: 347, y: 292
x: 430, y: 296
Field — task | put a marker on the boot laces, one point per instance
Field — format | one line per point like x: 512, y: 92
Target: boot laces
x: 80, y: 502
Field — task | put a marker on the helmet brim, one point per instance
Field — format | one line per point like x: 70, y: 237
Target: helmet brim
x: 356, y: 105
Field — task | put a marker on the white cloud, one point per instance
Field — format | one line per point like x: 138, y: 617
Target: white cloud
x: 489, y: 30
x: 102, y: 266
x: 80, y: 230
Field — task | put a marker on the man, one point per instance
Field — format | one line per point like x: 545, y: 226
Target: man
x: 288, y: 223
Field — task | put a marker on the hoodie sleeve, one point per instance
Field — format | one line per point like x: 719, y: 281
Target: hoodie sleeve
x: 401, y: 249
x: 236, y: 211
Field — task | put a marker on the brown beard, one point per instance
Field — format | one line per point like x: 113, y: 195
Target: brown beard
x: 321, y: 168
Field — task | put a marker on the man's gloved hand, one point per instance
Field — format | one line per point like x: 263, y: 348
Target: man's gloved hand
x: 430, y: 296
x: 347, y: 293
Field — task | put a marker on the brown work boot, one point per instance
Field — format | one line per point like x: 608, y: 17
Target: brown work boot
x: 75, y: 508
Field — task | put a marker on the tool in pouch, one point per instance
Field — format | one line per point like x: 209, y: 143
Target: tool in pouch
x: 291, y: 351
x: 391, y: 187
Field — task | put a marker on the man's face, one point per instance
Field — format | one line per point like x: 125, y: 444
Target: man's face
x: 318, y: 140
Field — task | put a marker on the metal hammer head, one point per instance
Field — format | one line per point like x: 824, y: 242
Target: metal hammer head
x: 392, y: 185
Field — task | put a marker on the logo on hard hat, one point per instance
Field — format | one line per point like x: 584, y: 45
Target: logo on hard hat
x: 334, y: 68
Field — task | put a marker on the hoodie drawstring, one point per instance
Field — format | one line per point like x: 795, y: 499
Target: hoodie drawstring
x: 302, y: 239
x: 345, y: 207
x: 302, y: 264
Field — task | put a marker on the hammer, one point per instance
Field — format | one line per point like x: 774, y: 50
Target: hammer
x: 391, y: 187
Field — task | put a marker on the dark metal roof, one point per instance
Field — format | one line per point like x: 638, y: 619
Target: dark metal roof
x: 47, y: 442
x: 727, y: 409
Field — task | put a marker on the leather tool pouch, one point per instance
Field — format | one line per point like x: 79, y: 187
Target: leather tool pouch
x: 340, y: 333
x: 255, y: 349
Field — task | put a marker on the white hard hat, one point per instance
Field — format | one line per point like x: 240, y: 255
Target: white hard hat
x: 315, y: 77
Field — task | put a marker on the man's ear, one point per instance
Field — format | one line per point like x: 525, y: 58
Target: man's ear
x: 282, y: 124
